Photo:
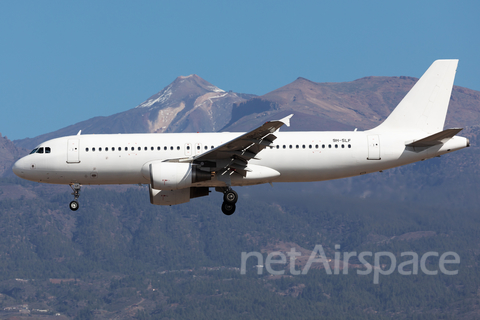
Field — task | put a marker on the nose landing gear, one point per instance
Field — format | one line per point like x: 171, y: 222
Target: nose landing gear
x: 76, y: 193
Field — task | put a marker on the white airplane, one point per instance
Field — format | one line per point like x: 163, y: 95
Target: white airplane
x: 181, y: 166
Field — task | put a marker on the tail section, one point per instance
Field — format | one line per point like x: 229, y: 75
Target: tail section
x: 424, y: 108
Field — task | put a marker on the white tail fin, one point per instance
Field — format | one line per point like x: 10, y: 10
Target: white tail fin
x: 425, y: 106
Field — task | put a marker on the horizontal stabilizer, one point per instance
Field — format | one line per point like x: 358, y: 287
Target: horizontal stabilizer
x: 434, y: 139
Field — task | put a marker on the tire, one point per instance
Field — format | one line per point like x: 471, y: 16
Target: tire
x: 74, y: 205
x: 228, y: 208
x: 230, y: 197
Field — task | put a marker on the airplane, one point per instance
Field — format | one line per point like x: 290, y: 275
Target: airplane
x: 181, y: 166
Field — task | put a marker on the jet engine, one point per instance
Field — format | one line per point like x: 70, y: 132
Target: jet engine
x: 175, y: 175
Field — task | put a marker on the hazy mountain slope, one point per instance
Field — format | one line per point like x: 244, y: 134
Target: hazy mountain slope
x: 119, y: 255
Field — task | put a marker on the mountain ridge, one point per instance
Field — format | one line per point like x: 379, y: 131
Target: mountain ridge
x: 192, y: 104
x: 188, y: 104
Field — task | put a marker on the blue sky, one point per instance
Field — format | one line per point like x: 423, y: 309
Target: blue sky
x: 62, y: 62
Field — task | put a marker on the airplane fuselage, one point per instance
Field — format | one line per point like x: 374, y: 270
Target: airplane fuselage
x: 296, y: 156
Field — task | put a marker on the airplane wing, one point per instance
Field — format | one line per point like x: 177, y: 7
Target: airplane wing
x: 234, y: 155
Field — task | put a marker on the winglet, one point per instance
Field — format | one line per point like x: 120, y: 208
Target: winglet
x: 286, y: 120
x: 79, y: 133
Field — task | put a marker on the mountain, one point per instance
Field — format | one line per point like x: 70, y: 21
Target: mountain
x: 191, y: 104
x: 362, y: 104
x: 188, y: 104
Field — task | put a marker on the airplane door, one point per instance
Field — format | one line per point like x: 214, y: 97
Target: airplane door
x: 73, y: 151
x: 373, y: 147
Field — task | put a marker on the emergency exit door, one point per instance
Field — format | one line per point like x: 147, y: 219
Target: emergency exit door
x: 73, y: 151
x: 373, y: 147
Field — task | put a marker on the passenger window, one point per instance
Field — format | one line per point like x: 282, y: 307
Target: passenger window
x: 86, y: 149
x: 303, y: 146
x: 40, y: 150
x: 171, y: 148
x: 145, y: 148
x: 158, y: 148
x: 100, y: 149
x: 329, y: 145
x: 213, y: 147
x: 349, y: 145
x: 206, y: 148
x: 297, y: 146
x: 284, y: 146
x: 93, y: 149
x: 139, y: 148
x: 152, y: 148
x: 178, y: 148
x: 188, y: 147
x: 106, y: 148
x: 133, y: 149
x: 290, y: 146
x: 198, y: 147
x: 164, y: 148
x: 310, y: 146
x: 336, y: 146
x: 47, y: 149
x: 126, y: 148
x: 113, y: 148
x: 323, y: 146
x: 278, y: 147
x: 343, y: 146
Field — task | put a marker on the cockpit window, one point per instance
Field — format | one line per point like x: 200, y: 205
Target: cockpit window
x: 40, y: 150
x: 34, y: 150
x: 47, y: 150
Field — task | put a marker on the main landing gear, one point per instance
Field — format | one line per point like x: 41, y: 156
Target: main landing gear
x: 76, y: 193
x: 230, y: 197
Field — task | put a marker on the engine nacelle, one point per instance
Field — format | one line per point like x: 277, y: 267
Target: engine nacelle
x: 173, y: 197
x: 175, y: 175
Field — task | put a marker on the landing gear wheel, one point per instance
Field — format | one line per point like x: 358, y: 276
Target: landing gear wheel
x: 76, y: 193
x: 228, y: 208
x: 74, y: 205
x: 230, y: 197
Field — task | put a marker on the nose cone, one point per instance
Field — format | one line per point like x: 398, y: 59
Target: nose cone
x: 18, y: 168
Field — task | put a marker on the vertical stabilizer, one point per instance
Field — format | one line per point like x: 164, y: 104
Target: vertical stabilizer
x: 424, y: 108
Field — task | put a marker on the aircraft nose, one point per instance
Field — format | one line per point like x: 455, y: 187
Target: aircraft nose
x: 18, y: 168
